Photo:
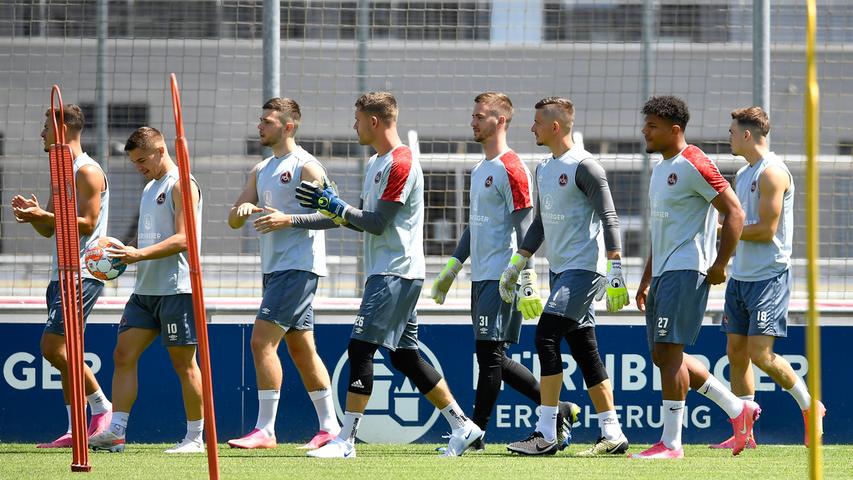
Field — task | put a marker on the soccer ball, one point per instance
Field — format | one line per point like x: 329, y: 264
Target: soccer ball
x: 99, y: 264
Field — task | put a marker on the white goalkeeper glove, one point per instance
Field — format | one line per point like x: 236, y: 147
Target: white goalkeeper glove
x: 506, y: 286
x: 529, y: 301
x: 614, y: 287
x: 444, y: 280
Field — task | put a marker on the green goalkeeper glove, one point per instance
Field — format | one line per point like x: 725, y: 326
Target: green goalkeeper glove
x: 442, y: 283
x: 617, y: 292
x: 529, y: 301
x: 506, y: 286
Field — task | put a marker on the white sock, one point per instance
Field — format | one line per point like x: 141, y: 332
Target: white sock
x: 547, y: 424
x: 673, y: 418
x: 98, y: 403
x: 325, y: 409
x: 350, y: 428
x: 608, y: 422
x: 454, y: 415
x: 267, y: 409
x: 194, y: 430
x: 118, y: 424
x: 714, y: 390
x: 68, y: 409
x: 801, y: 394
x: 751, y: 398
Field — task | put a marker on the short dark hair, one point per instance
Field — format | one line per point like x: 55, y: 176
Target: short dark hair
x: 499, y: 103
x: 143, y: 137
x: 72, y: 115
x: 287, y: 107
x: 754, y: 119
x: 381, y: 104
x: 561, y: 103
x: 670, y: 108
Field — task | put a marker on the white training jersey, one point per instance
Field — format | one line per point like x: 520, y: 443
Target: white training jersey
x: 499, y: 186
x: 87, y: 241
x: 288, y: 248
x: 683, y: 221
x: 399, y: 250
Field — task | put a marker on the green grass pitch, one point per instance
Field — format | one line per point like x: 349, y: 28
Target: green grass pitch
x: 419, y: 461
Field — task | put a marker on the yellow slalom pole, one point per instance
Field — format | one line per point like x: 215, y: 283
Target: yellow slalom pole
x: 812, y: 108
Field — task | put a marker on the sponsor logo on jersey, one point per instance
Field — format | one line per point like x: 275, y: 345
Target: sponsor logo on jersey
x: 377, y: 177
x: 285, y: 177
x: 489, y: 181
x: 147, y: 221
x: 396, y: 412
x: 672, y: 179
x: 564, y: 179
x: 161, y: 198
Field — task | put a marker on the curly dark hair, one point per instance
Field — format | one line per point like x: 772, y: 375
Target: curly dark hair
x: 669, y: 107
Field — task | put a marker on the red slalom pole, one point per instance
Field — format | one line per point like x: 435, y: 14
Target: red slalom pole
x: 182, y: 151
x: 64, y: 192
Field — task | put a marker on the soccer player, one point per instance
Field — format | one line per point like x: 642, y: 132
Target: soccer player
x: 500, y: 204
x: 291, y: 261
x: 392, y: 214
x: 93, y: 203
x: 577, y: 221
x: 757, y: 295
x: 686, y: 191
x: 161, y: 303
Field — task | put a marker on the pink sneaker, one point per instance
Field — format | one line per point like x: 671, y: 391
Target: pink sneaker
x: 62, y: 442
x: 730, y: 443
x: 659, y: 450
x: 822, y: 411
x: 99, y: 423
x: 254, y: 439
x: 742, y: 425
x: 320, y: 439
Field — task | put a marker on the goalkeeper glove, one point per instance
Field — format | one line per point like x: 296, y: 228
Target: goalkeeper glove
x: 442, y: 283
x: 529, y: 301
x: 617, y: 292
x: 321, y: 197
x: 506, y: 286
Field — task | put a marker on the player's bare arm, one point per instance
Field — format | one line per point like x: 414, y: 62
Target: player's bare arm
x: 90, y: 183
x: 174, y: 244
x: 772, y: 185
x: 729, y: 206
x: 643, y: 287
x: 247, y: 202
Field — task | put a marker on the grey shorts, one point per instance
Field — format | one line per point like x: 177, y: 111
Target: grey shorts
x: 387, y: 315
x: 675, y: 307
x: 172, y: 315
x: 493, y: 319
x: 572, y: 295
x: 758, y: 308
x: 92, y: 289
x: 287, y: 299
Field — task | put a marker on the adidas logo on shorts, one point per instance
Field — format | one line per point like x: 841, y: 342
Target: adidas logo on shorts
x: 357, y: 384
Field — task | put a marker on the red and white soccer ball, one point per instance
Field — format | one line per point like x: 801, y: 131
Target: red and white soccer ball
x: 98, y: 262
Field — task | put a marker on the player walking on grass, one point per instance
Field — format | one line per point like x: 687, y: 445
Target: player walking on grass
x: 391, y: 213
x: 758, y: 293
x: 161, y: 303
x: 93, y: 202
x: 576, y: 220
x: 673, y: 292
x: 292, y: 260
x: 500, y: 204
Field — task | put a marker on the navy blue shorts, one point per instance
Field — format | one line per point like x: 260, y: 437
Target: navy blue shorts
x: 572, y: 295
x: 758, y: 308
x: 172, y: 315
x: 493, y: 319
x: 287, y: 299
x: 387, y: 315
x: 675, y: 307
x: 92, y: 289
